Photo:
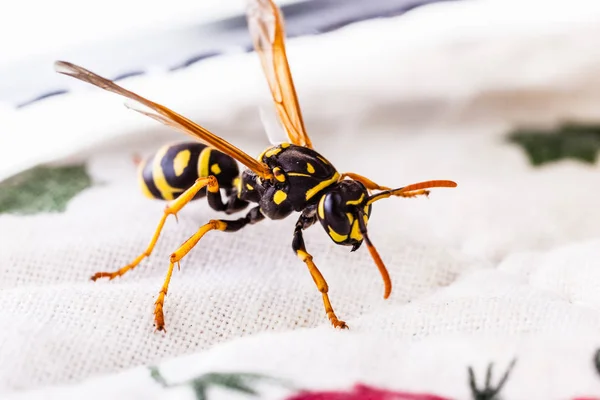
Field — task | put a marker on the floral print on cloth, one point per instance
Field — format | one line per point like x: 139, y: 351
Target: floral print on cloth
x: 245, y: 383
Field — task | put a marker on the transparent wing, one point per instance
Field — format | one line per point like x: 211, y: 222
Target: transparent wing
x: 268, y: 35
x: 164, y: 115
x: 273, y: 128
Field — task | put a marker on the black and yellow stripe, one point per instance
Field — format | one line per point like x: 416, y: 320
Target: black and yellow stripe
x: 175, y: 167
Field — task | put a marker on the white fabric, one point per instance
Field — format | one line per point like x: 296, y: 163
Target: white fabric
x: 547, y: 367
x: 513, y: 250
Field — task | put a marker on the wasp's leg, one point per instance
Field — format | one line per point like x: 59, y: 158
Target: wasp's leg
x: 173, y: 207
x: 253, y: 216
x: 233, y: 204
x: 298, y: 246
x: 369, y: 184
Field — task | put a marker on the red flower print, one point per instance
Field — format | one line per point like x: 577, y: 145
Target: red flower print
x: 363, y: 392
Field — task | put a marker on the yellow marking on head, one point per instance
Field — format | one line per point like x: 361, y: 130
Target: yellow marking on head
x: 298, y: 174
x: 350, y: 218
x: 366, y: 209
x: 249, y: 186
x: 279, y: 197
x: 140, y: 171
x: 166, y: 190
x: 321, y: 208
x: 215, y: 169
x: 336, y: 236
x: 278, y: 173
x: 311, y: 192
x: 310, y: 168
x: 181, y: 161
x: 324, y: 160
x: 203, y: 162
x: 356, y: 202
x: 355, y: 233
x: 273, y: 152
x: 366, y: 219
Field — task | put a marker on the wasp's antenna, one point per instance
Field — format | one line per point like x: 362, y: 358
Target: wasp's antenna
x: 378, y: 261
x: 415, y: 189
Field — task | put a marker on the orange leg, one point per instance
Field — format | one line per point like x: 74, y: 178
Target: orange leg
x: 300, y: 250
x: 176, y: 257
x: 323, y: 288
x: 172, y: 208
x: 252, y: 217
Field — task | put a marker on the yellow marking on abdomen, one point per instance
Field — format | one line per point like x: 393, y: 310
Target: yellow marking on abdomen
x: 311, y: 192
x: 336, y: 236
x: 181, y: 161
x: 166, y: 190
x: 310, y: 168
x: 279, y: 197
x: 215, y: 169
x: 203, y: 161
x: 143, y: 186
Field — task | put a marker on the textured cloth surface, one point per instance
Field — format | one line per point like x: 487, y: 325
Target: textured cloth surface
x: 457, y: 260
x: 513, y: 250
x: 329, y: 364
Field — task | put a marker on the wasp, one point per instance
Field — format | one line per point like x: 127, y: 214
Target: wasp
x: 289, y: 177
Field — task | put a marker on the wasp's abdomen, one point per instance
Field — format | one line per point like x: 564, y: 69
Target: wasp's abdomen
x: 175, y: 167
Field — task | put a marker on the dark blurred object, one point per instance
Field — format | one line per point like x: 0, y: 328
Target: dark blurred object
x: 34, y: 79
x: 568, y: 141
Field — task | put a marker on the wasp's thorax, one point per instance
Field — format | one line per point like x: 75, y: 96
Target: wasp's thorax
x: 339, y: 211
x: 300, y: 177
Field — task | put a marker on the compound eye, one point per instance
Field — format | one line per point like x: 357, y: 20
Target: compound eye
x: 333, y: 203
x: 334, y: 214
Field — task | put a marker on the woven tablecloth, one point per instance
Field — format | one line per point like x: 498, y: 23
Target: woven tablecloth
x: 504, y: 267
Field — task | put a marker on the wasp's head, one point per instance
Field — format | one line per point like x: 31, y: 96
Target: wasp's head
x: 345, y: 209
x: 341, y: 210
x: 344, y: 213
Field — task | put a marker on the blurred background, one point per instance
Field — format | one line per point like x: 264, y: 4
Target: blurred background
x: 436, y: 61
